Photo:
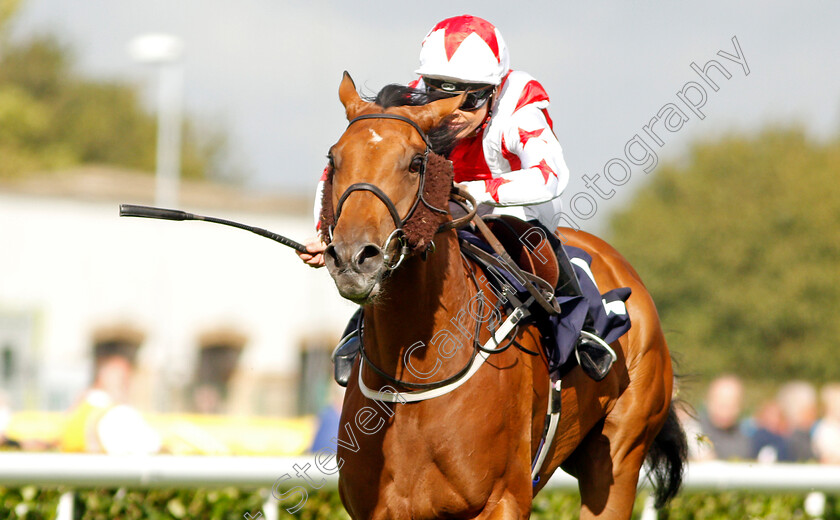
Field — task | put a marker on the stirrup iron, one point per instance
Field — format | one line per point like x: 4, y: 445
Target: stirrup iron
x: 594, y: 355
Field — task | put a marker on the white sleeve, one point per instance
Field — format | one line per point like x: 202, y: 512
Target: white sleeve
x: 123, y: 431
x: 319, y: 194
x: 530, y: 145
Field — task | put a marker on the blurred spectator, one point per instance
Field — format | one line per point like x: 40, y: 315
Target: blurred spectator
x: 219, y: 352
x: 103, y: 422
x: 207, y: 399
x: 769, y: 440
x: 826, y: 440
x: 699, y: 447
x: 720, y: 423
x: 798, y: 400
x: 329, y: 420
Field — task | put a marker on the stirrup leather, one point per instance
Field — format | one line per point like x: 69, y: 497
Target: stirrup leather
x: 594, y: 355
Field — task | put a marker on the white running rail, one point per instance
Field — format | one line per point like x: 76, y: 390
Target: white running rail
x: 162, y: 471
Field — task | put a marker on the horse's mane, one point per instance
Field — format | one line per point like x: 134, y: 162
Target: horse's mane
x: 441, y: 137
x: 421, y: 227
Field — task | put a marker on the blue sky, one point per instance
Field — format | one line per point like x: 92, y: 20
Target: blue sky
x: 268, y: 71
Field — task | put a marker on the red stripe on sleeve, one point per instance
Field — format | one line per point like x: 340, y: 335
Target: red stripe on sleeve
x: 492, y: 187
x: 545, y: 169
x: 532, y: 93
x: 510, y: 157
x: 525, y: 135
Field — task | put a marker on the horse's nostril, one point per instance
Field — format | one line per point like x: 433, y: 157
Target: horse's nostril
x: 330, y: 252
x: 366, y: 253
x: 364, y: 260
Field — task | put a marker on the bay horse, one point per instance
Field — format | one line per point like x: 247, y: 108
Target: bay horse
x: 468, y: 453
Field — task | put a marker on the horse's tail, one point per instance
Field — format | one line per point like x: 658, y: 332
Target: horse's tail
x: 667, y: 458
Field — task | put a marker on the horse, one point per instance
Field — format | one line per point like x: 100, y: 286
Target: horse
x: 468, y: 453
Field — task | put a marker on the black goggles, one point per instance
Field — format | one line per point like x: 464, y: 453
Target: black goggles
x: 477, y: 93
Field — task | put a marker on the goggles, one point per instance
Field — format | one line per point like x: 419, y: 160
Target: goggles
x: 477, y: 93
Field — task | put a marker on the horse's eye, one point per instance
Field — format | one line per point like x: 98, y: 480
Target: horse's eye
x: 331, y: 161
x: 416, y: 164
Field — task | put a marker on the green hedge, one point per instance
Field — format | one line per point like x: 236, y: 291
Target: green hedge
x: 31, y: 503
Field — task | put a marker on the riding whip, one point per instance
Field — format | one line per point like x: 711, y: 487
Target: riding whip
x: 130, y: 210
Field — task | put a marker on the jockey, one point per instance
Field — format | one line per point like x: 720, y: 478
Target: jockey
x: 507, y: 155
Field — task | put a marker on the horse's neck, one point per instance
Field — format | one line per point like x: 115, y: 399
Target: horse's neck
x: 422, y: 297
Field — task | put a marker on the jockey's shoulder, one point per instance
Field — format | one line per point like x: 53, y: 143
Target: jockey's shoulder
x: 519, y: 76
x: 520, y: 90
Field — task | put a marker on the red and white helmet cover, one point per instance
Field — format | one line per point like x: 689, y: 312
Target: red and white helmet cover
x: 465, y: 49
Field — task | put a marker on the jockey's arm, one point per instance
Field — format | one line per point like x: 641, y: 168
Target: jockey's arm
x: 541, y: 174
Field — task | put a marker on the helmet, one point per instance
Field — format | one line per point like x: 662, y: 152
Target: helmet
x: 464, y: 49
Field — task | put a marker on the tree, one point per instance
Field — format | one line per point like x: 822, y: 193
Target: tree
x: 740, y: 248
x: 50, y: 117
x: 8, y: 8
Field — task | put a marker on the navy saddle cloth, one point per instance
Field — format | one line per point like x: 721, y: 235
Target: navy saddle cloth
x: 608, y: 310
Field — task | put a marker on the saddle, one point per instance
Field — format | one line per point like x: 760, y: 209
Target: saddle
x: 521, y: 253
x: 527, y: 245
x: 522, y: 266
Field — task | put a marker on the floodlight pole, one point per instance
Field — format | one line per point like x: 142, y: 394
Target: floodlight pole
x: 165, y: 51
x: 170, y: 119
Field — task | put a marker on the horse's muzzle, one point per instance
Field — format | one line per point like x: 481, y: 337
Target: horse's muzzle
x: 356, y: 268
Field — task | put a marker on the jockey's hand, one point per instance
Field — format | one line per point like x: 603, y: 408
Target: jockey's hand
x: 314, y: 257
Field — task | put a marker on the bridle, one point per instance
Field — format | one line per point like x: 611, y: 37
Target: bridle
x: 398, y: 234
x: 459, y: 195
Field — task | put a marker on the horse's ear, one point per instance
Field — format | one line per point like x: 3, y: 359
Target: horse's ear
x: 431, y: 115
x: 353, y: 103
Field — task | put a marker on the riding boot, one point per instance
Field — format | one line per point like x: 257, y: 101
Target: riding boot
x: 594, y: 355
x: 345, y: 353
